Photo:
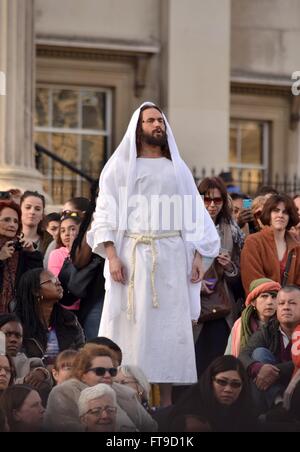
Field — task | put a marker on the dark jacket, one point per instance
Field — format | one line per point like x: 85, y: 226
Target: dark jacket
x: 95, y: 290
x: 68, y: 330
x: 268, y: 336
x: 199, y: 400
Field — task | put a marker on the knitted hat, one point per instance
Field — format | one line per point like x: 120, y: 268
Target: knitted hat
x: 259, y: 286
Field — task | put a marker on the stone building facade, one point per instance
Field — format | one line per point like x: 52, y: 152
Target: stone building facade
x: 220, y: 69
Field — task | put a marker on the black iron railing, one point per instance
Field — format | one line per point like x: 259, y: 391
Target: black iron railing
x: 248, y: 182
x: 63, y: 180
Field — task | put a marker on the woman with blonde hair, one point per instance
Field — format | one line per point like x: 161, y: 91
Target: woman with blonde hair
x: 257, y: 208
x: 134, y: 377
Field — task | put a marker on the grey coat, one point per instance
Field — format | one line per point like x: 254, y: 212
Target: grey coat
x: 62, y: 409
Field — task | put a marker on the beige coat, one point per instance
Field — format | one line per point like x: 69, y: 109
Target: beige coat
x: 62, y: 409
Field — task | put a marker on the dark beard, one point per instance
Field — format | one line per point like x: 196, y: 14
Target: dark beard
x: 152, y: 140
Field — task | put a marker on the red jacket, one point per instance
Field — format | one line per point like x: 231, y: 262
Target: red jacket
x: 296, y: 347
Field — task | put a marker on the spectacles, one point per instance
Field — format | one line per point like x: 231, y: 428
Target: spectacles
x: 232, y: 384
x: 7, y: 370
x: 53, y: 280
x: 217, y: 200
x: 97, y: 412
x: 152, y: 121
x: 101, y: 371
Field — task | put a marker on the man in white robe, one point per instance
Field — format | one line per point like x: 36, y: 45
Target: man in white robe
x: 151, y: 226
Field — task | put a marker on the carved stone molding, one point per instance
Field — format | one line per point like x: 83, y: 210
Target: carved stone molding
x: 138, y: 59
x: 256, y: 89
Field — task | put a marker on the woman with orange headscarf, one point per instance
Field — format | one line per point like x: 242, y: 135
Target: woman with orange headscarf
x: 261, y: 307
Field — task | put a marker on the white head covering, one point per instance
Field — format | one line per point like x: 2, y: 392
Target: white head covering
x: 120, y: 171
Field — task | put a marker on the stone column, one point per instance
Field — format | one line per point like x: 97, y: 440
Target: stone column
x: 196, y: 78
x: 17, y: 62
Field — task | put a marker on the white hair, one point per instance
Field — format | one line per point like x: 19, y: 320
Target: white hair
x: 137, y: 373
x: 95, y: 392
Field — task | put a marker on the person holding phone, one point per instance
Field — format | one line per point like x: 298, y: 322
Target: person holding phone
x: 242, y: 212
x: 16, y: 254
x: 5, y: 195
x: 220, y: 279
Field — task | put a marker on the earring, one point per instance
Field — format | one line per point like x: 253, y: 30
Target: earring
x: 40, y: 298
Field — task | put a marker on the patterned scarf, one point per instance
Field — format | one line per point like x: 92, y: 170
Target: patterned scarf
x: 230, y: 234
x: 247, y: 325
x: 7, y: 290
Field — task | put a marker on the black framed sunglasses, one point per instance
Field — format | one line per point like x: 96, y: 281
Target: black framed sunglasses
x: 217, y: 200
x: 101, y: 371
x: 232, y: 384
x: 67, y: 214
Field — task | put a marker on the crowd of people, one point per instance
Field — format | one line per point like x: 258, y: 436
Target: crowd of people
x: 117, y: 323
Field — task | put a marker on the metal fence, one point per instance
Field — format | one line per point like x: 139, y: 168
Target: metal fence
x: 63, y: 180
x: 249, y: 182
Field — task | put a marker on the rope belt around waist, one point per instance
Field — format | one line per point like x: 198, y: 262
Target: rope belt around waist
x: 145, y: 239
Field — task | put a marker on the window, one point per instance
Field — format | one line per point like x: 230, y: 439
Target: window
x: 248, y: 153
x: 75, y: 124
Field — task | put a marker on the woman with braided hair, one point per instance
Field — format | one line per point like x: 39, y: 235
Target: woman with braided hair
x: 260, y: 308
x: 48, y: 327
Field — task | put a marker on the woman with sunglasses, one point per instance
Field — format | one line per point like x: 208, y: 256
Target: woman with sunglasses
x: 48, y: 328
x: 220, y: 278
x: 221, y: 400
x: 93, y: 365
x: 273, y: 252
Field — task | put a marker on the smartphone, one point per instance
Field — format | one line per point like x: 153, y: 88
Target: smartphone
x: 2, y: 343
x: 211, y: 282
x: 247, y: 203
x: 4, y: 195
